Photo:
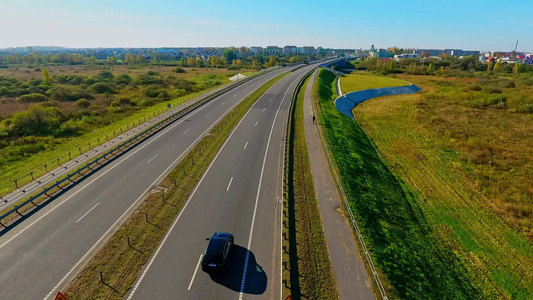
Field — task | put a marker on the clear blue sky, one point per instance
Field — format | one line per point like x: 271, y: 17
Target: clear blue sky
x: 486, y: 25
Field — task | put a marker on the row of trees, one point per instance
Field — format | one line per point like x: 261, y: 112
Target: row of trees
x: 418, y: 66
x: 229, y: 57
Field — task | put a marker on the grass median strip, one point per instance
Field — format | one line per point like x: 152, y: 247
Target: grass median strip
x: 112, y: 271
x: 308, y: 273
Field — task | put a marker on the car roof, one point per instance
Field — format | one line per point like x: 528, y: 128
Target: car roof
x: 215, y: 246
x: 226, y: 235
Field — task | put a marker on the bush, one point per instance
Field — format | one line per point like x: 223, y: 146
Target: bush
x: 83, y: 103
x: 153, y: 91
x: 179, y: 70
x: 105, y: 75
x: 123, y: 79
x: 474, y: 88
x: 493, y: 90
x: 64, y: 94
x: 35, y: 97
x: 102, y: 88
x: 506, y: 84
x: 38, y: 120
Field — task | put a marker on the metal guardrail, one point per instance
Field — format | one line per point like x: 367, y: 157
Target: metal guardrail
x: 140, y: 137
x: 333, y: 168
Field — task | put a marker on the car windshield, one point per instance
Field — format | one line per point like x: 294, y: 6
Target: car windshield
x: 215, y: 247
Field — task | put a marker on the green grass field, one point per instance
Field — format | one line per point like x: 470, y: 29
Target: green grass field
x: 357, y: 82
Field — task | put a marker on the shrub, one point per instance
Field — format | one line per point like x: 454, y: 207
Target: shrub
x: 123, y: 79
x: 153, y: 91
x: 35, y: 97
x: 179, y: 70
x: 493, y: 90
x: 105, y: 75
x: 474, y: 88
x: 64, y: 94
x: 506, y: 84
x: 102, y: 88
x: 38, y: 120
x: 83, y: 103
x: 35, y: 82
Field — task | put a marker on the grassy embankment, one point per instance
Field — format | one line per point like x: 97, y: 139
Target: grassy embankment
x: 21, y: 156
x: 405, y: 248
x: 308, y: 273
x: 356, y: 82
x: 121, y: 263
x: 465, y: 148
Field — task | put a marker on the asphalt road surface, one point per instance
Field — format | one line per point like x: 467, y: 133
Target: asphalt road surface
x: 41, y: 253
x: 240, y: 193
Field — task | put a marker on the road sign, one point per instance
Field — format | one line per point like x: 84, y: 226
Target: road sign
x: 60, y: 296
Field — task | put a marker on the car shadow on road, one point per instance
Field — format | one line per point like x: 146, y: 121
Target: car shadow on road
x: 256, y: 279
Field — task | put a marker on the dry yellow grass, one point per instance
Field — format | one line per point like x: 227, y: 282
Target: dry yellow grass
x: 472, y: 169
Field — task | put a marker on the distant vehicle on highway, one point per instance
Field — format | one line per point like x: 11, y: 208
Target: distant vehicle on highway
x: 216, y: 255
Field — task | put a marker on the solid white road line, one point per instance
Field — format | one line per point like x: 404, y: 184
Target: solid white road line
x: 151, y: 159
x: 195, y: 270
x: 186, y: 131
x: 229, y: 184
x: 256, y: 123
x: 88, y: 212
x: 246, y: 260
x: 245, y: 145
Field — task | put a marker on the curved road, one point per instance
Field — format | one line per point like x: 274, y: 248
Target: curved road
x: 240, y: 193
x: 41, y: 253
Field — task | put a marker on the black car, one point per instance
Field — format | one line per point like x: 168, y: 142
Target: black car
x: 216, y: 255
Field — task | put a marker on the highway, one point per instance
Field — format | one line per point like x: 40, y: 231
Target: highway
x: 240, y: 193
x: 43, y: 252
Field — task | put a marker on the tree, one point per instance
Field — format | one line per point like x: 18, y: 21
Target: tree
x: 190, y: 61
x: 271, y: 62
x: 229, y: 54
x: 183, y: 62
x: 490, y: 66
x: 394, y: 50
x: 516, y: 69
x: 215, y: 60
x: 198, y: 62
x: 129, y: 59
x: 431, y: 69
x: 46, y: 77
x: 139, y: 58
x: 498, y: 67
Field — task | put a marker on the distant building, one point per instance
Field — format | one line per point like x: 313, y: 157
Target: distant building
x: 452, y: 52
x: 273, y: 50
x: 380, y: 53
x: 309, y: 50
x: 289, y: 49
x: 397, y: 57
x: 256, y: 50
